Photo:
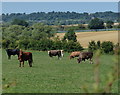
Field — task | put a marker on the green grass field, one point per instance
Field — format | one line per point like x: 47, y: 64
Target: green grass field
x: 50, y: 75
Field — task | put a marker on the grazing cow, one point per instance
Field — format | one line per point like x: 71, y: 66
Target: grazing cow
x: 74, y: 54
x: 58, y: 53
x: 85, y: 55
x: 12, y: 52
x: 25, y: 56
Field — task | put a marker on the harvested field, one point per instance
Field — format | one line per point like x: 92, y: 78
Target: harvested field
x: 85, y: 37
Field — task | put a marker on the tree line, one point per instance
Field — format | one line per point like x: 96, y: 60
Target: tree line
x: 60, y: 18
x: 18, y: 34
x: 37, y: 37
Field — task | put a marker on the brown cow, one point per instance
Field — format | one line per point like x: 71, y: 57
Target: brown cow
x: 74, y: 54
x: 25, y: 56
x: 85, y: 55
x: 58, y: 53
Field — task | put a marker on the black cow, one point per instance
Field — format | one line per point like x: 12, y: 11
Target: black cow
x: 58, y: 53
x: 12, y: 52
x: 85, y: 55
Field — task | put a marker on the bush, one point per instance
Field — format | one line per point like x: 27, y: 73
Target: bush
x: 107, y: 47
x: 72, y: 46
x: 70, y: 35
x: 96, y: 24
x: 117, y: 49
x: 92, y: 46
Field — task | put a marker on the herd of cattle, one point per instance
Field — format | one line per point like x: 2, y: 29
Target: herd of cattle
x: 27, y: 56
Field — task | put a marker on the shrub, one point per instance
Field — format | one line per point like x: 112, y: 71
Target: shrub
x: 92, y: 46
x: 70, y: 35
x: 96, y: 24
x: 107, y: 47
x: 72, y: 46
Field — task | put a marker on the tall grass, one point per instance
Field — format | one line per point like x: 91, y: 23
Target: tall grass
x: 111, y: 77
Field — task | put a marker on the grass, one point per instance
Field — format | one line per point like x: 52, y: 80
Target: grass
x: 50, y: 75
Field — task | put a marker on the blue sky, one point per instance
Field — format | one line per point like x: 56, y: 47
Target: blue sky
x: 29, y: 7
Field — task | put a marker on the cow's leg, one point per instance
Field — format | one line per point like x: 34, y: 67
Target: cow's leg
x: 60, y: 57
x: 78, y: 60
x: 91, y: 61
x: 20, y: 64
x: 30, y: 63
x: 18, y: 57
x: 23, y: 63
x: 9, y: 56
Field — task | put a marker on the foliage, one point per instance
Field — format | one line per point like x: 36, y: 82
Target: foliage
x: 110, y: 79
x: 70, y: 35
x: 105, y: 47
x: 72, y: 46
x: 20, y: 36
x: 81, y: 26
x: 96, y: 24
x: 117, y: 49
x: 60, y: 18
x: 37, y: 37
x: 19, y: 22
x: 109, y: 24
x: 92, y: 46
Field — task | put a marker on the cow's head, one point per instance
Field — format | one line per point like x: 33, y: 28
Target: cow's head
x: 48, y: 52
x: 62, y: 53
x: 71, y: 57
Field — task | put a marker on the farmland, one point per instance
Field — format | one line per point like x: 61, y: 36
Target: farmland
x: 50, y: 75
x: 85, y: 37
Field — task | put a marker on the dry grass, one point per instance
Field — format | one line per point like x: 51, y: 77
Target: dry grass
x: 85, y: 37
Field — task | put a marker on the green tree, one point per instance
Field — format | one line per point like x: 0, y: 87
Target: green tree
x: 96, y: 24
x: 72, y: 46
x: 19, y: 22
x: 109, y: 24
x: 81, y: 26
x: 107, y: 47
x: 70, y: 35
x: 92, y: 46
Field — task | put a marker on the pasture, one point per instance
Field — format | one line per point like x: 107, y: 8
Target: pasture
x: 85, y: 37
x: 50, y: 75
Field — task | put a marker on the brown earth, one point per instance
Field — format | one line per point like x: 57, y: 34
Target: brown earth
x: 85, y: 37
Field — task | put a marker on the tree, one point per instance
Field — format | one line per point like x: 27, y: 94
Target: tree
x: 96, y: 24
x: 70, y: 35
x: 109, y: 24
x: 81, y: 26
x: 107, y: 47
x: 19, y: 22
x: 92, y: 46
x: 72, y: 46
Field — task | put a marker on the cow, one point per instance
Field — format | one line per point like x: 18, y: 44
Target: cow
x: 25, y: 56
x: 12, y: 52
x: 74, y: 54
x: 58, y: 53
x: 85, y: 55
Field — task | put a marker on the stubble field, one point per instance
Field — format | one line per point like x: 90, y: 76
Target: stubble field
x: 85, y: 37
